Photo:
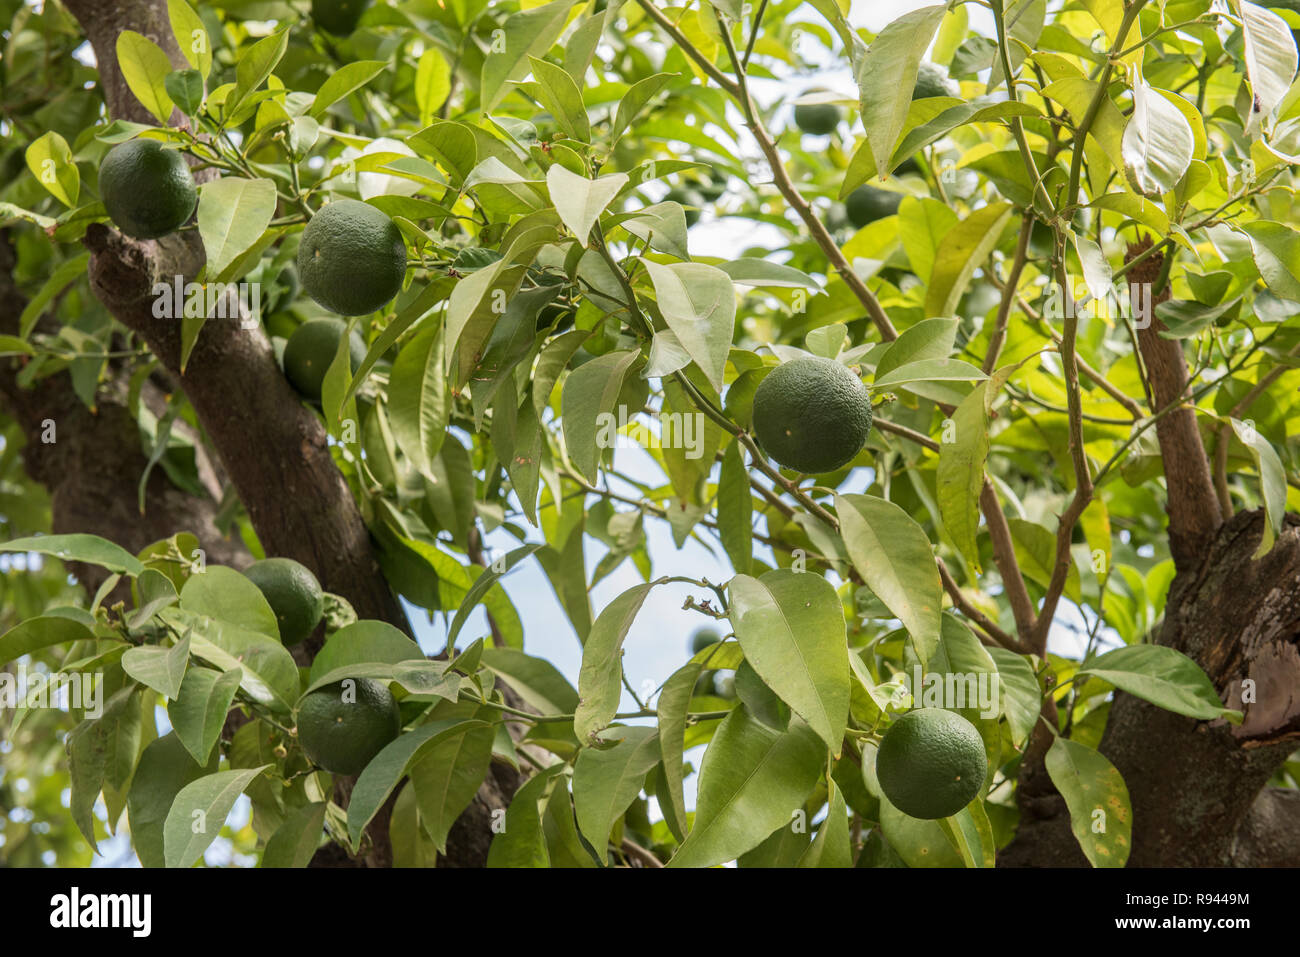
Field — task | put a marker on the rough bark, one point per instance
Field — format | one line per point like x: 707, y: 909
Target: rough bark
x: 1191, y: 501
x: 92, y: 468
x: 1195, y: 786
x: 269, y: 445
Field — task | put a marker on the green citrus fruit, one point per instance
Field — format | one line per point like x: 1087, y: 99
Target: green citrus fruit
x: 352, y: 258
x: 344, y: 725
x: 817, y: 119
x: 933, y: 80
x: 866, y: 204
x: 293, y: 593
x: 339, y: 17
x: 148, y: 191
x: 690, y: 199
x: 702, y: 638
x: 311, y: 349
x: 812, y: 414
x: 931, y: 763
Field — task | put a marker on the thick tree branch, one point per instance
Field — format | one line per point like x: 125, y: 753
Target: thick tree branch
x: 1193, y: 506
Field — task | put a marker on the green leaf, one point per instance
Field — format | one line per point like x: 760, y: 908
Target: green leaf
x: 66, y: 273
x: 200, y: 708
x: 199, y: 811
x: 735, y: 509
x: 185, y: 87
x: 432, y: 83
x: 1277, y: 255
x: 919, y: 843
x: 971, y: 835
x: 661, y: 226
x: 226, y: 595
x: 485, y: 581
x: 1270, y: 59
x: 346, y: 79
x: 161, y: 669
x: 959, y: 477
x: 1035, y: 548
x: 752, y: 779
x: 831, y: 847
x: 522, y: 842
x: 671, y: 707
x: 165, y: 768
x: 590, y: 391
x: 419, y: 406
x: 254, y: 66
x: 1165, y: 677
x: 363, y: 642
x: 387, y: 768
x: 529, y: 32
x: 966, y: 248
x: 791, y: 629
x: 1158, y: 143
x: 893, y: 556
x: 145, y: 67
x: 40, y: 632
x: 233, y: 214
x: 446, y: 779
x: 473, y: 310
x: 295, y: 841
x: 886, y: 75
x: 606, y: 781
x: 634, y: 100
x: 699, y: 304
x: 538, y: 681
x: 762, y: 272
x: 90, y: 549
x: 1021, y: 695
x: 559, y: 93
x: 191, y: 36
x: 1101, y: 816
x: 270, y: 675
x: 1272, y: 478
x: 579, y: 200
x: 50, y: 160
x: 928, y: 370
x: 600, y: 679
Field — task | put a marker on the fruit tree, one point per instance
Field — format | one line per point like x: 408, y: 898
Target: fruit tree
x: 964, y: 340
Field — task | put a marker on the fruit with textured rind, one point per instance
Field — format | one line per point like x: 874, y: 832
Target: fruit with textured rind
x: 812, y: 414
x: 352, y: 258
x: 293, y: 593
x: 311, y: 349
x: 148, y: 191
x: 931, y: 763
x: 344, y: 725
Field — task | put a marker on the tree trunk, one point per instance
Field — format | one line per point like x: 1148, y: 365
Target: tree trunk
x: 1197, y: 787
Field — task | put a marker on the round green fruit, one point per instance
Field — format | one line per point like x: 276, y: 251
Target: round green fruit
x: 339, y: 17
x: 293, y: 593
x: 311, y: 349
x: 866, y: 204
x: 352, y: 258
x: 148, y: 191
x: 817, y: 119
x: 931, y: 763
x: 344, y: 725
x: 812, y: 414
x: 933, y: 80
x: 702, y: 638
